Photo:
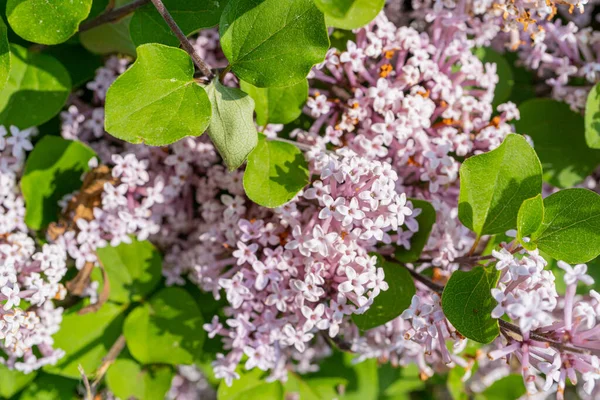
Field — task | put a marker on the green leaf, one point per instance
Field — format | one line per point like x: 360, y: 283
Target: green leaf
x: 361, y: 12
x: 13, y: 381
x: 273, y: 42
x: 147, y: 26
x: 133, y: 270
x: 335, y: 8
x: 558, y: 135
x: 156, y: 101
x: 277, y: 105
x: 410, y: 381
x: 570, y: 230
x: 86, y: 339
x: 126, y: 379
x: 51, y: 387
x: 109, y: 38
x: 390, y: 303
x: 493, y: 186
x: 79, y: 62
x: 503, y: 69
x: 275, y: 173
x: 47, y: 22
x: 167, y: 329
x: 250, y: 386
x: 4, y: 54
x: 455, y: 385
x: 37, y: 88
x: 231, y: 128
x: 426, y: 219
x: 509, y: 387
x: 53, y: 170
x: 529, y: 218
x: 467, y: 302
x: 592, y: 118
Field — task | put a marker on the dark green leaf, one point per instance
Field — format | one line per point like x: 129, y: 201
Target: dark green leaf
x: 493, y: 186
x: 109, y: 38
x: 503, y: 69
x: 13, y: 381
x: 558, y: 135
x: 275, y: 173
x: 167, y: 329
x: 147, y: 26
x: 156, y: 101
x: 467, y: 303
x: 360, y: 13
x: 529, y: 218
x: 51, y: 387
x: 53, y: 170
x: 37, y: 88
x: 273, y: 42
x: 80, y: 63
x: 133, y: 270
x: 570, y: 230
x: 231, y: 128
x: 390, y: 303
x: 426, y: 219
x: 592, y: 118
x: 127, y: 379
x: 277, y: 105
x: 47, y: 22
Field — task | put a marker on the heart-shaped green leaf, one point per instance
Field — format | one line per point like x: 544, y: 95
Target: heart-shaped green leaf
x: 426, y: 219
x: 529, y: 219
x: 358, y: 14
x: 277, y: 105
x: 592, y: 118
x: 127, y: 379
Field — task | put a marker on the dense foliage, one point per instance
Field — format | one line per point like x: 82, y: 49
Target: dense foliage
x: 392, y: 200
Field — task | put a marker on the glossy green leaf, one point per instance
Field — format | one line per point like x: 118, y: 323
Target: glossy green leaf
x: 46, y: 22
x: 147, y: 26
x: 529, y: 219
x: 51, y: 387
x: 250, y: 386
x: 53, y: 170
x: 570, y: 230
x: 277, y: 105
x: 390, y: 303
x: 275, y: 173
x: 37, y: 88
x: 360, y: 13
x: 273, y: 42
x: 4, y: 54
x: 592, y: 118
x: 468, y: 303
x: 156, y: 101
x: 506, y: 80
x: 231, y: 128
x: 109, y: 38
x: 167, y: 329
x: 558, y: 135
x: 13, y: 381
x: 426, y: 219
x: 86, y: 339
x: 127, y: 379
x: 493, y: 185
x: 509, y: 387
x: 335, y: 8
x: 133, y: 269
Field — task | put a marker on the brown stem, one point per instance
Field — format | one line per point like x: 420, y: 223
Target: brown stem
x: 185, y: 43
x: 86, y: 384
x: 103, y: 298
x: 110, y: 358
x: 112, y: 15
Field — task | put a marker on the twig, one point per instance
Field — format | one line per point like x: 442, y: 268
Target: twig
x: 185, y: 43
x: 110, y: 358
x: 112, y: 15
x: 103, y: 298
x: 301, y: 146
x: 86, y: 383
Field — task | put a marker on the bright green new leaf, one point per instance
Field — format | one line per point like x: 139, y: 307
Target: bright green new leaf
x: 529, y: 219
x: 86, y: 339
x: 558, y: 135
x: 167, y: 329
x: 127, y: 379
x: 51, y: 387
x: 156, y: 101
x: 13, y: 381
x: 147, y: 26
x: 503, y: 69
x: 493, y: 186
x: 277, y: 105
x: 133, y: 269
x: 468, y: 303
x: 231, y: 127
x: 250, y: 386
x: 335, y: 8
x: 390, y: 303
x: 570, y: 230
x: 36, y: 90
x: 426, y: 219
x: 275, y: 173
x: 44, y: 21
x: 53, y: 170
x: 360, y: 13
x: 4, y: 54
x: 509, y: 387
x: 273, y: 42
x: 592, y: 118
